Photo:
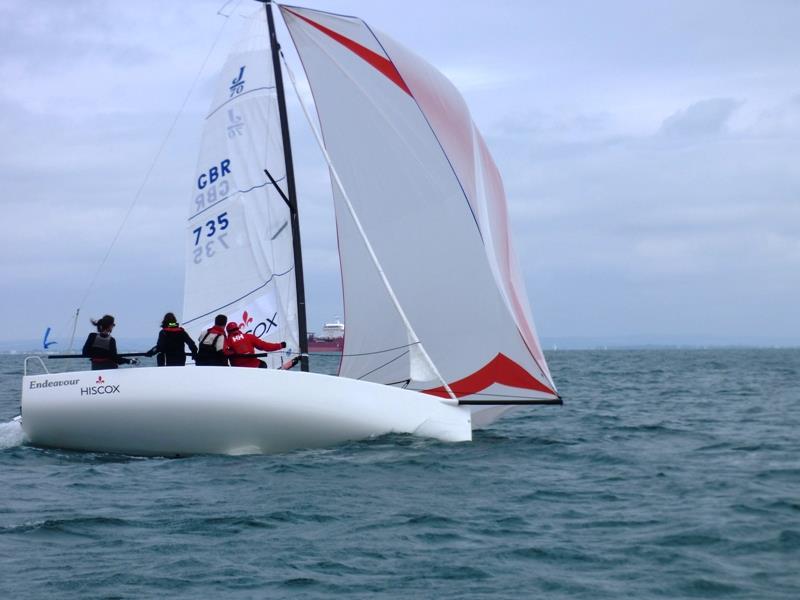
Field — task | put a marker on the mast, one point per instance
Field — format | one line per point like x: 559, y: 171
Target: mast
x: 292, y: 194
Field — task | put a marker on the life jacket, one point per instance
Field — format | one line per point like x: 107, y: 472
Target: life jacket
x: 101, y: 349
x: 208, y: 352
x: 171, y: 340
x: 101, y: 346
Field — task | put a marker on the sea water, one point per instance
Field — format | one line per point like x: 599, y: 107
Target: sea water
x: 667, y: 474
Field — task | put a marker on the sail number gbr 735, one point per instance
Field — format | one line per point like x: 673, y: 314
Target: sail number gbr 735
x: 213, y: 228
x: 204, y: 247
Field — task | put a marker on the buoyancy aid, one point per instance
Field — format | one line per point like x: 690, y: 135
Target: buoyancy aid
x: 101, y: 348
x: 211, y: 349
x: 171, y: 340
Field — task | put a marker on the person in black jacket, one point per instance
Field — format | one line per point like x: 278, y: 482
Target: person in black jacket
x: 101, y: 348
x: 171, y: 339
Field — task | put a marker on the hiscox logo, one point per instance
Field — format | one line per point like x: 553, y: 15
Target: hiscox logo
x: 261, y: 328
x: 100, y: 388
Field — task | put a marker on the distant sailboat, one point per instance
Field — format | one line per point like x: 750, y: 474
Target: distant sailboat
x: 439, y: 333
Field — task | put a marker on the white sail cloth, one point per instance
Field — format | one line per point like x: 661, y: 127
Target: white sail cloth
x: 431, y: 202
x: 239, y: 258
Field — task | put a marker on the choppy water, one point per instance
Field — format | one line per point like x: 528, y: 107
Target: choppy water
x: 668, y: 474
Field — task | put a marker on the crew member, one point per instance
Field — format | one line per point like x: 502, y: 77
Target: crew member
x: 101, y: 348
x: 239, y: 343
x: 211, y: 351
x: 169, y: 349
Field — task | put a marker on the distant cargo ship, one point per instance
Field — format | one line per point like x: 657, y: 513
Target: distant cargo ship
x: 330, y: 340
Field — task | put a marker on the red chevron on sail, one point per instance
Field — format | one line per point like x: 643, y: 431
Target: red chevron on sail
x: 500, y: 369
x: 382, y: 64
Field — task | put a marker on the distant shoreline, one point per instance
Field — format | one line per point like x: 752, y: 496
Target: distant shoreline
x: 547, y: 350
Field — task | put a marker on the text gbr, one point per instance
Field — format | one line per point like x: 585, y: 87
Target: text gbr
x: 210, y: 192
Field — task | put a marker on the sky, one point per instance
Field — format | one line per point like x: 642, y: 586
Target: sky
x: 650, y: 153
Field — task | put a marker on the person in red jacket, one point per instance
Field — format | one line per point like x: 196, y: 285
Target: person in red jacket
x: 239, y: 343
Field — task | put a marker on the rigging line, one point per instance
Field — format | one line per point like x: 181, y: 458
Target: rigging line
x: 398, y: 357
x: 263, y: 285
x: 374, y: 352
x: 231, y: 195
x: 237, y: 97
x: 70, y: 322
x: 224, y: 6
x: 74, y: 327
x: 156, y: 157
x: 405, y: 383
x: 374, y: 257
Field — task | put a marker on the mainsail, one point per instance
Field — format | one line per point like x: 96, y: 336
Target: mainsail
x: 430, y: 199
x: 239, y: 256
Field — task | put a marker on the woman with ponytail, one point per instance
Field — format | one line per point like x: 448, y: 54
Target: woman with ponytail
x: 101, y: 348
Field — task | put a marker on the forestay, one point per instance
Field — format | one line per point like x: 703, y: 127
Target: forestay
x: 432, y: 204
x: 239, y: 258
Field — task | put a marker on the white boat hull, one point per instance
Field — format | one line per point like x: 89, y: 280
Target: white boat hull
x: 171, y: 411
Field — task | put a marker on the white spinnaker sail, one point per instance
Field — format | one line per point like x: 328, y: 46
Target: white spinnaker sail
x: 239, y: 259
x: 431, y: 201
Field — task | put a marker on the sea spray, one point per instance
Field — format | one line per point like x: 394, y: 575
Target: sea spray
x: 11, y: 434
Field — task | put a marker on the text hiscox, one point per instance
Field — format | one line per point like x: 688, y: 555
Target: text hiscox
x: 99, y: 389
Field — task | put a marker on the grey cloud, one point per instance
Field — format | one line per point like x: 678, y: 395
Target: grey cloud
x: 781, y: 120
x: 702, y: 234
x: 544, y: 126
x: 45, y: 40
x: 707, y: 117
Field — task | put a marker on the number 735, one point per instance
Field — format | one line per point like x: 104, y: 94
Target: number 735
x: 211, y: 227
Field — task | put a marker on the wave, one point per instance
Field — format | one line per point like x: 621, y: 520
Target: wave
x: 81, y: 526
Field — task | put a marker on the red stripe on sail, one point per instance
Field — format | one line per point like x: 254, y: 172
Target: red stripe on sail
x: 384, y: 65
x: 500, y: 369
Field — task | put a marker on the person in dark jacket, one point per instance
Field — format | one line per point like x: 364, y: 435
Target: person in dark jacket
x: 101, y: 348
x: 211, y: 350
x: 169, y: 349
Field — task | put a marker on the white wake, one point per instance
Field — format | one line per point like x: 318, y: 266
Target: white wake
x: 11, y: 434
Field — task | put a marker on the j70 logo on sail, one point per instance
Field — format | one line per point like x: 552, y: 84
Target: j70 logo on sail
x: 237, y: 85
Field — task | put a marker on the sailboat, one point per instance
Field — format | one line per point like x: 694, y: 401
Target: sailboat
x: 440, y: 338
